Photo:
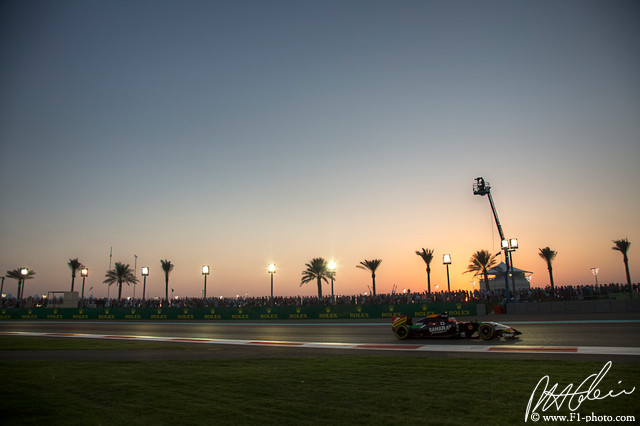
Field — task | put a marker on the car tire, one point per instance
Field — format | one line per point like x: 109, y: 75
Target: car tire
x: 402, y: 332
x: 486, y: 331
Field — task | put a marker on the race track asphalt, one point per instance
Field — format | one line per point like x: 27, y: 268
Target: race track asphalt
x: 569, y: 330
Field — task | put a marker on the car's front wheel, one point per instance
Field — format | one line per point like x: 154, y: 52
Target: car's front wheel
x: 402, y: 332
x: 486, y: 331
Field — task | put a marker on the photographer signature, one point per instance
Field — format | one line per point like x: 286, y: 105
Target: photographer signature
x: 587, y: 390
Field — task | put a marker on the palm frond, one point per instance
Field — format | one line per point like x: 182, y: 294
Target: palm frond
x: 17, y: 274
x: 74, y: 265
x: 426, y: 255
x: 621, y: 245
x: 167, y: 266
x: 547, y: 254
x: 318, y: 268
x: 121, y: 273
x: 370, y: 265
x: 481, y: 260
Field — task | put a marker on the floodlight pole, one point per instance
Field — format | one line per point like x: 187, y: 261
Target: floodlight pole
x: 446, y: 259
x: 332, y: 270
x: 205, y: 271
x: 85, y: 273
x: 271, y: 270
x: 145, y: 274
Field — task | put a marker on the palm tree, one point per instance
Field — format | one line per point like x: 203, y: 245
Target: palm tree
x: 121, y: 273
x: 167, y: 267
x: 427, y: 256
x: 371, y: 265
x: 480, y: 262
x: 317, y: 269
x: 623, y: 246
x: 548, y: 255
x: 16, y: 274
x: 74, y: 265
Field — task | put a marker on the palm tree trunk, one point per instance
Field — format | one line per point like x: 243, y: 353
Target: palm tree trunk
x: 626, y: 267
x: 428, y: 280
x: 319, y: 288
x: 166, y: 288
x: 18, y: 293
x: 119, y: 289
x: 486, y: 279
x: 551, y: 277
x: 73, y: 278
x: 373, y: 279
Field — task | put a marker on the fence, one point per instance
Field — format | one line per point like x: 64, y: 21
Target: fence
x: 244, y: 313
x: 571, y: 307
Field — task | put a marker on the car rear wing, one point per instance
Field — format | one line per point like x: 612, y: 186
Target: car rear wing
x: 398, y: 320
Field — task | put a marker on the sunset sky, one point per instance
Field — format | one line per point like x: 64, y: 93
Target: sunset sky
x: 239, y: 133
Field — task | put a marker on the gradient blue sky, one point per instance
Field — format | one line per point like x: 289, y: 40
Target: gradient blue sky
x: 238, y: 133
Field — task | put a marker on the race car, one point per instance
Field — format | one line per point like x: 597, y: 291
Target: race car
x: 441, y: 325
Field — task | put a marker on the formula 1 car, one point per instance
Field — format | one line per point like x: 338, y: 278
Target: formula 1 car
x: 441, y: 325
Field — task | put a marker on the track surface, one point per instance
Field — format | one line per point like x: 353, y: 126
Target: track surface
x: 600, y: 331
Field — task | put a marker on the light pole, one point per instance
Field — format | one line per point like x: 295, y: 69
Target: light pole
x: 272, y: 270
x: 205, y: 272
x: 446, y: 259
x: 595, y: 271
x: 332, y: 272
x: 145, y: 274
x: 135, y: 271
x: 23, y: 273
x: 509, y: 246
x: 85, y: 273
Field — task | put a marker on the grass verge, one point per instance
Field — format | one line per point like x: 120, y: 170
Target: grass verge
x: 25, y: 343
x: 331, y: 390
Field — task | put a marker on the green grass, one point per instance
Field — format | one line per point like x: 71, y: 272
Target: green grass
x: 26, y: 343
x: 323, y: 390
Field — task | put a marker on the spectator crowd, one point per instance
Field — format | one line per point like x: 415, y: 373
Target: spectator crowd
x: 562, y: 293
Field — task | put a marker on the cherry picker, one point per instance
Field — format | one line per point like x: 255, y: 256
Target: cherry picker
x: 480, y: 187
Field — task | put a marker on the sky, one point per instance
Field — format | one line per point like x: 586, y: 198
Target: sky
x: 239, y: 133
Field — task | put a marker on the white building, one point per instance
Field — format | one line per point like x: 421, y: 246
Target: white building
x: 521, y: 278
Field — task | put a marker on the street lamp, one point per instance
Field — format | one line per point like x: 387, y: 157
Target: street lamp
x: 509, y: 246
x: 332, y: 272
x: 272, y: 270
x: 23, y: 273
x: 145, y: 274
x: 446, y: 259
x: 205, y: 272
x: 85, y: 273
x: 595, y: 271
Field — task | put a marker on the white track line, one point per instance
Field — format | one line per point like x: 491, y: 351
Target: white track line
x: 595, y: 350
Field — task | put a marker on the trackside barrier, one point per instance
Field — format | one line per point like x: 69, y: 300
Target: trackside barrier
x: 583, y: 306
x: 244, y: 313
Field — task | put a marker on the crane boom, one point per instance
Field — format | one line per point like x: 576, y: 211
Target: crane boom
x: 495, y: 215
x: 480, y: 187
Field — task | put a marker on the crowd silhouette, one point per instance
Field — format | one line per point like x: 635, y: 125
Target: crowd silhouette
x: 493, y: 297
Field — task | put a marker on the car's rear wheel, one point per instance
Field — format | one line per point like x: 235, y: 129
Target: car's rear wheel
x: 402, y: 332
x: 486, y: 331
